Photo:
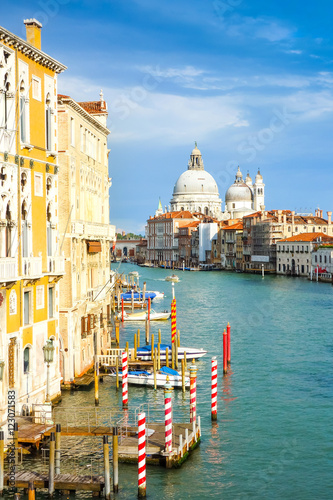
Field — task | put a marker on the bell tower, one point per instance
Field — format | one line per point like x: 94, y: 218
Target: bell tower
x: 258, y: 192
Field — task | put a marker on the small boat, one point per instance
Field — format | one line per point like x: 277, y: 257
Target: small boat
x: 174, y: 278
x: 134, y: 273
x: 158, y: 295
x: 143, y: 377
x: 144, y: 352
x: 127, y: 296
x: 141, y: 316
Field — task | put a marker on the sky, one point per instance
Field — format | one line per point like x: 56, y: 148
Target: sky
x: 251, y: 81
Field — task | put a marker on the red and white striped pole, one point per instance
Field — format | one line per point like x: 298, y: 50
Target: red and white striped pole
x: 228, y: 345
x: 168, y: 416
x: 124, y: 378
x: 173, y: 320
x: 142, y: 455
x: 122, y: 309
x: 193, y: 393
x: 225, y: 352
x: 149, y: 306
x: 214, y: 389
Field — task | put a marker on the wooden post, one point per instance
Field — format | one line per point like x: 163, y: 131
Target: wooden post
x: 132, y: 300
x: 183, y: 375
x: 51, y: 465
x: 149, y: 307
x: 117, y: 324
x: 138, y: 337
x: 144, y: 292
x: 158, y: 356
x: 127, y: 350
x: 122, y: 309
x: 135, y: 346
x: 117, y: 373
x: 185, y: 361
x: 152, y: 347
x: 147, y: 330
x: 96, y: 382
x: 167, y: 357
x: 107, y: 488
x: 57, y: 448
x: 176, y: 354
x: 159, y: 336
x: 178, y: 338
x: 154, y: 368
x: 2, y: 456
x: 16, y: 443
x: 31, y: 491
x: 115, y: 459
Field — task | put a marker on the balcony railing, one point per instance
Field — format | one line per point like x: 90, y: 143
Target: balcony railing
x: 8, y: 269
x: 56, y: 265
x: 32, y: 266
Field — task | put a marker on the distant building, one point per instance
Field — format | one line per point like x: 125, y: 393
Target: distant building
x: 126, y: 249
x: 242, y: 198
x: 322, y: 262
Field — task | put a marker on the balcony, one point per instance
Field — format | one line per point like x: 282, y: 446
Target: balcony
x: 56, y: 265
x: 8, y: 269
x: 32, y: 266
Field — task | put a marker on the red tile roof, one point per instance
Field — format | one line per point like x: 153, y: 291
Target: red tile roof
x: 94, y: 107
x: 308, y: 237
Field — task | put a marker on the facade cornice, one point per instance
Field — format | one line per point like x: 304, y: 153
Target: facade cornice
x: 30, y: 51
x: 74, y: 105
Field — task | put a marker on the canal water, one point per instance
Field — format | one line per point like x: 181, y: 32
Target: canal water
x: 274, y: 434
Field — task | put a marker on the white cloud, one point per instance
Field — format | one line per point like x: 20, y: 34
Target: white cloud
x: 259, y: 27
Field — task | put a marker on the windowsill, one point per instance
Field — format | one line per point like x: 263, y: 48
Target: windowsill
x: 51, y: 153
x: 25, y: 145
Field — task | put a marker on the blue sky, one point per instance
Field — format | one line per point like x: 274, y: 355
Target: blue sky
x: 251, y: 81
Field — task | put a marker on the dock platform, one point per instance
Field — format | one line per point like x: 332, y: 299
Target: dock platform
x: 62, y: 482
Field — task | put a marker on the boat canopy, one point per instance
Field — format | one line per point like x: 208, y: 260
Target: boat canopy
x: 137, y: 372
x: 147, y: 348
x: 169, y: 371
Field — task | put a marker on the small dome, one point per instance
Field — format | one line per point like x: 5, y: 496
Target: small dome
x: 248, y: 179
x: 258, y: 176
x: 195, y: 181
x: 238, y: 192
x: 196, y: 152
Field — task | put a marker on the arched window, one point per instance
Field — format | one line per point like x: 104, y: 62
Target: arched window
x: 199, y: 210
x: 26, y: 360
x: 206, y: 211
x: 48, y: 185
x: 3, y: 175
x: 182, y: 209
x: 7, y: 90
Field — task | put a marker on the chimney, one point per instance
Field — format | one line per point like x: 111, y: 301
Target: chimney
x: 293, y: 217
x: 329, y: 217
x: 284, y: 219
x: 279, y: 216
x: 33, y: 28
x: 321, y: 213
x: 263, y: 213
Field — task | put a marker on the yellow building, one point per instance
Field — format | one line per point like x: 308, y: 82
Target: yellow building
x: 30, y: 260
x: 85, y: 291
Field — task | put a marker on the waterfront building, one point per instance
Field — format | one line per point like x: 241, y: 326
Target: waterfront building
x: 196, y: 189
x: 228, y: 237
x: 263, y: 229
x: 322, y: 262
x: 244, y: 198
x: 161, y: 235
x: 184, y: 242
x: 294, y: 254
x: 31, y: 261
x: 126, y: 249
x: 85, y: 232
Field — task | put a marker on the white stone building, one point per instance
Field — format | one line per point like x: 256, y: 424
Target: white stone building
x: 244, y: 198
x: 322, y: 262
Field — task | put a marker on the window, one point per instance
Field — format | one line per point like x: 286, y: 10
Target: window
x: 36, y: 88
x: 51, y: 305
x: 38, y: 184
x: 26, y: 360
x: 72, y: 132
x: 315, y: 258
x: 23, y: 131
x: 27, y: 304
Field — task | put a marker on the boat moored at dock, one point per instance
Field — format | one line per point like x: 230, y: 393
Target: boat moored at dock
x: 146, y: 378
x: 144, y: 352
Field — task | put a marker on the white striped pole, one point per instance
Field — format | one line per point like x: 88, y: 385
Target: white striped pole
x: 214, y: 388
x: 124, y: 378
x: 141, y: 455
x: 193, y: 393
x: 168, y: 416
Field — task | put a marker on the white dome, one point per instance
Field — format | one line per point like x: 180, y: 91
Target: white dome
x: 196, y: 152
x: 238, y: 192
x: 196, y: 182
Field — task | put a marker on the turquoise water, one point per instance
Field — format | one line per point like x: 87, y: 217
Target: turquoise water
x: 273, y: 438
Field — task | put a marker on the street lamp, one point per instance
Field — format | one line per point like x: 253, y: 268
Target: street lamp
x: 2, y: 367
x: 48, y: 351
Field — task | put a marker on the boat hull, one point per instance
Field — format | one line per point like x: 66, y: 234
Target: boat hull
x: 161, y: 379
x: 191, y: 353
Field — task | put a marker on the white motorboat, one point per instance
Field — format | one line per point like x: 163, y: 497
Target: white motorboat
x: 158, y: 295
x: 174, y: 278
x: 141, y: 316
x: 142, y: 377
x: 144, y: 352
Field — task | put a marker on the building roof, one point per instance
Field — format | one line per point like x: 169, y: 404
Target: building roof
x: 94, y: 107
x: 308, y: 237
x: 181, y: 214
x: 234, y: 227
x: 78, y: 107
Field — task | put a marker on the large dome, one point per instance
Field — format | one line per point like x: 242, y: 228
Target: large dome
x: 239, y: 191
x: 196, y: 182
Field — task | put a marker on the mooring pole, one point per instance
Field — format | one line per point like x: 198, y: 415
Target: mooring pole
x: 106, y: 467
x: 115, y: 459
x: 51, y: 465
x: 214, y: 390
x: 96, y: 382
x: 2, y: 456
x: 31, y: 491
x: 57, y: 448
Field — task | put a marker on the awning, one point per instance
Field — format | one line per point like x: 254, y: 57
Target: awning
x: 94, y: 246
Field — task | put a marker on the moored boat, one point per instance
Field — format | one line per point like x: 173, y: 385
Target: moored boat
x: 143, y: 377
x: 174, y: 278
x: 141, y: 316
x: 144, y: 352
x: 127, y: 296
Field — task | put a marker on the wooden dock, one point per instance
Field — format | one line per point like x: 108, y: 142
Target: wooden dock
x: 62, y: 482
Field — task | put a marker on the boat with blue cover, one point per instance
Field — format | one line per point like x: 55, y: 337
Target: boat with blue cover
x: 143, y: 377
x: 144, y: 352
x: 127, y: 296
